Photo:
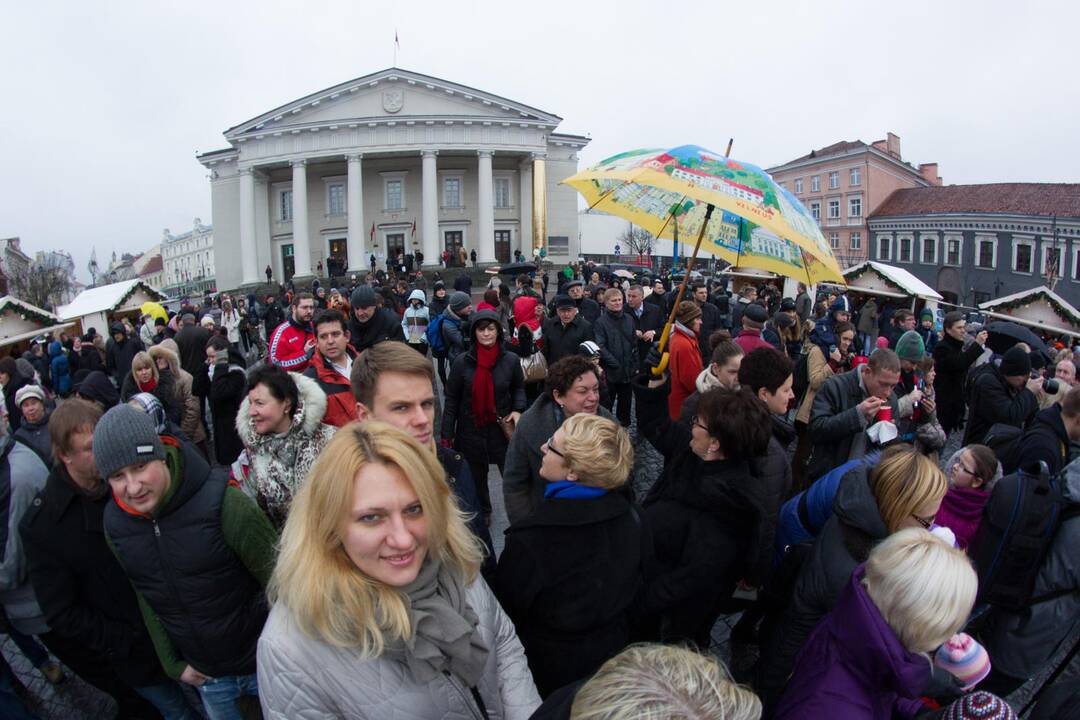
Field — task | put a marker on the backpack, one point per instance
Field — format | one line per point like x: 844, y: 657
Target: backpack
x: 433, y: 333
x: 1004, y: 440
x: 973, y: 374
x: 1018, y: 525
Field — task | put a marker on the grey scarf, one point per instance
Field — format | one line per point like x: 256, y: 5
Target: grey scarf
x: 445, y: 630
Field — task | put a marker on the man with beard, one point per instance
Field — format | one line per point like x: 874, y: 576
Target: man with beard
x: 293, y: 341
x: 370, y: 323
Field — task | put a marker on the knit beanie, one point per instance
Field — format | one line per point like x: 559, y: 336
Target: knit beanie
x: 926, y: 314
x: 964, y: 659
x: 1015, y: 362
x: 688, y: 312
x: 910, y: 347
x: 28, y: 391
x: 459, y: 301
x: 125, y: 436
x: 979, y: 706
x: 362, y: 297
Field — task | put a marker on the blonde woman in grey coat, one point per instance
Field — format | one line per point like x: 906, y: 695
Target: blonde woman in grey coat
x: 378, y: 608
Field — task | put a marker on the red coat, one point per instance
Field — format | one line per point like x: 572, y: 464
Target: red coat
x: 750, y: 340
x: 288, y: 346
x: 684, y: 363
x: 340, y: 403
x: 525, y: 312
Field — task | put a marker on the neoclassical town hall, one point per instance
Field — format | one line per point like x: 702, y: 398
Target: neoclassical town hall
x: 390, y: 162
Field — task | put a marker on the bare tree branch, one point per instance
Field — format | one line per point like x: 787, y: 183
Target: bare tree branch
x: 44, y: 285
x: 636, y: 240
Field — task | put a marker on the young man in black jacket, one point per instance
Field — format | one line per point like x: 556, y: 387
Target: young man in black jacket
x: 84, y: 593
x: 952, y: 360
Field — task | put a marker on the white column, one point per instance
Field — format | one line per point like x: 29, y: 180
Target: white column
x: 525, y: 209
x: 485, y: 241
x: 301, y: 244
x: 355, y: 208
x: 429, y: 224
x: 248, y: 259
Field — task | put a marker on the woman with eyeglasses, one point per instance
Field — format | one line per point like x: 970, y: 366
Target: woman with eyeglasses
x: 904, y: 490
x: 972, y: 471
x: 572, y: 569
x: 704, y: 512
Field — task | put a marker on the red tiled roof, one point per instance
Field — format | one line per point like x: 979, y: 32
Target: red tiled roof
x: 153, y: 265
x: 1062, y: 199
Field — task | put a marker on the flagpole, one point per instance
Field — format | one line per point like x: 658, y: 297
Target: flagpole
x: 395, y: 47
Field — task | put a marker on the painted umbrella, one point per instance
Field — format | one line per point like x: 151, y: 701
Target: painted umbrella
x: 759, y: 224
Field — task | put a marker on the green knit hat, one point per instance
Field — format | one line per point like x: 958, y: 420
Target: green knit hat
x: 910, y: 347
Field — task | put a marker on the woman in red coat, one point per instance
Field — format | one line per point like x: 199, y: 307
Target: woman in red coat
x: 684, y: 361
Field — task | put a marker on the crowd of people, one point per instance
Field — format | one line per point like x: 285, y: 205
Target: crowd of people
x: 284, y: 504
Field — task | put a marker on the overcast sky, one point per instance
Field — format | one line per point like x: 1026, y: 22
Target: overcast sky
x: 106, y: 105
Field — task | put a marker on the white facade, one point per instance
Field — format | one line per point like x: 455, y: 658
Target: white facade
x: 13, y: 261
x: 187, y: 260
x: 390, y: 162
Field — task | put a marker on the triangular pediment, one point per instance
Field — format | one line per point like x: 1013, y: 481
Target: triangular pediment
x: 392, y: 94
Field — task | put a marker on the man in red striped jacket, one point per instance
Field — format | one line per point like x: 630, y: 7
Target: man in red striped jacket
x: 293, y: 342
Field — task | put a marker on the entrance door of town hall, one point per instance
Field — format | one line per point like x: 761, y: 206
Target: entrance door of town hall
x: 502, y: 246
x: 338, y: 260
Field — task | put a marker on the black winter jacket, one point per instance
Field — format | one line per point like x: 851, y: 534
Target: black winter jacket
x: 845, y: 541
x: 652, y: 318
x: 226, y: 392
x: 457, y: 420
x: 618, y: 346
x: 569, y: 577
x: 81, y: 587
x: 994, y: 401
x: 118, y: 356
x: 385, y: 324
x: 773, y: 473
x: 835, y: 422
x: 711, y: 321
x: 562, y: 341
x: 191, y: 340
x: 703, y: 518
x: 1046, y: 440
x: 90, y: 359
x: 951, y: 362
x: 165, y: 392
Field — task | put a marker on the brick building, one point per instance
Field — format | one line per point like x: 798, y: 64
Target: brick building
x: 843, y: 183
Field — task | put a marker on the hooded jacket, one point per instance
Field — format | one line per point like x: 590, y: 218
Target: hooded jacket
x: 59, y: 369
x: 118, y: 355
x: 28, y: 475
x: 273, y: 467
x: 854, y: 667
x: 846, y: 540
x: 1046, y: 440
x: 97, y: 388
x: 824, y: 333
x: 414, y: 321
x: 164, y: 391
x: 453, y: 330
x: 383, y: 325
x: 1021, y: 643
x: 36, y: 437
x: 191, y: 341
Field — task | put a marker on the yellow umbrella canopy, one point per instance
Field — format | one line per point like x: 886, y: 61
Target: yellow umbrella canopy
x: 760, y: 224
x: 154, y: 310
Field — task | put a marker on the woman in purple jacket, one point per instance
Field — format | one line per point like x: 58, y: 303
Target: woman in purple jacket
x: 869, y: 658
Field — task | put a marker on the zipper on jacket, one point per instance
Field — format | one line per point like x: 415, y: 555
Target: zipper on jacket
x: 467, y: 697
x: 172, y: 588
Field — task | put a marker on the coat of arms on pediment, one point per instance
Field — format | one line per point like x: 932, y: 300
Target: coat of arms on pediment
x: 393, y: 100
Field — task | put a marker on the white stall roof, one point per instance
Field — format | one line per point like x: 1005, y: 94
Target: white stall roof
x: 1040, y: 307
x: 901, y: 278
x: 106, y: 298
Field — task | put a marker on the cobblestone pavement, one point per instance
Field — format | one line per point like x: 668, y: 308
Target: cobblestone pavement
x: 72, y: 699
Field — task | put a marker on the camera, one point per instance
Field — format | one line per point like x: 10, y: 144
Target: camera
x: 1051, y: 386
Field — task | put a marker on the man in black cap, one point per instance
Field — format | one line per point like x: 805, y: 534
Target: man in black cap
x: 587, y: 307
x: 370, y: 323
x: 749, y: 338
x: 565, y: 332
x: 1004, y: 394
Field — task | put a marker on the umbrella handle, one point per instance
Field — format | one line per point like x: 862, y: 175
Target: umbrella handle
x: 659, y: 369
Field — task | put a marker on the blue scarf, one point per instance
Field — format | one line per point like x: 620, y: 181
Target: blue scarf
x: 566, y: 489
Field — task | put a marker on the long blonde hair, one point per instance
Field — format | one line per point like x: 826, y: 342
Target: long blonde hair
x: 329, y: 598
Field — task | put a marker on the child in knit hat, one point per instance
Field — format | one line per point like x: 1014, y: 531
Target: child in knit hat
x: 979, y: 706
x: 964, y: 659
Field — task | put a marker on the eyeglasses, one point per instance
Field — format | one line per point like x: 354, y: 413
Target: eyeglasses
x: 551, y: 446
x: 926, y: 522
x: 697, y: 423
x: 969, y: 472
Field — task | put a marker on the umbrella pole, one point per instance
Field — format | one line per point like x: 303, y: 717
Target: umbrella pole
x: 657, y: 371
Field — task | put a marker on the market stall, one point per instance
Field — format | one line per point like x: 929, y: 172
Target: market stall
x: 879, y: 279
x: 1039, y: 308
x: 98, y: 306
x: 20, y: 322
